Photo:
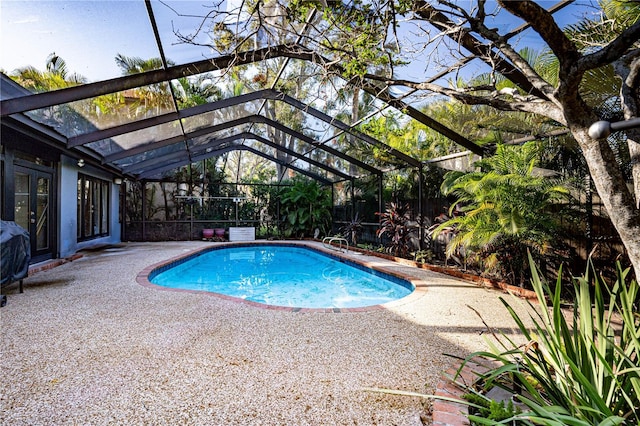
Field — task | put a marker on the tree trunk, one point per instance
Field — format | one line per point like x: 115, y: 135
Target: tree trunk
x: 633, y: 141
x: 629, y: 72
x: 612, y: 189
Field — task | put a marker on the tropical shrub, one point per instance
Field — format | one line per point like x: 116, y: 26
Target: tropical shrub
x: 352, y: 229
x: 423, y: 256
x: 504, y: 210
x: 580, y: 369
x: 395, y: 223
x: 305, y: 207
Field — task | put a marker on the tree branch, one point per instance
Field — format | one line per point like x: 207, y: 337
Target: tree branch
x: 545, y: 25
x: 478, y: 25
x: 567, y: 93
x: 527, y: 104
x: 463, y: 37
x: 612, y: 51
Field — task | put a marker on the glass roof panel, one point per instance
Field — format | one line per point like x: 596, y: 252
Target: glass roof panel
x: 166, y: 167
x: 252, y: 143
x: 278, y: 137
x: 88, y: 115
x: 67, y: 119
x: 298, y: 163
x: 148, y: 157
x: 297, y: 119
x: 87, y: 35
x: 212, y: 150
x: 136, y: 138
x: 307, y: 150
x: 197, y: 90
x: 214, y: 138
x: 220, y: 116
x: 301, y: 147
x: 269, y: 73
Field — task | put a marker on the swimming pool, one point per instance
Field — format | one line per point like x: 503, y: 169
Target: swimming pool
x: 280, y: 275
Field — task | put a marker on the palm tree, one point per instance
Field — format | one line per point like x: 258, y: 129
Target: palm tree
x: 55, y: 77
x: 156, y: 99
x: 601, y: 87
x: 69, y: 119
x: 504, y: 210
x: 195, y: 91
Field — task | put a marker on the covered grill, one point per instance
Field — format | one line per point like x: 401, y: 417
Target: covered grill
x: 15, y: 253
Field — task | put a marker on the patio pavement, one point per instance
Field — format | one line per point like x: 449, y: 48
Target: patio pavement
x: 85, y: 344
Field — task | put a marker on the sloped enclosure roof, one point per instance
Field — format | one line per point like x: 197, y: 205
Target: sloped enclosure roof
x: 138, y: 65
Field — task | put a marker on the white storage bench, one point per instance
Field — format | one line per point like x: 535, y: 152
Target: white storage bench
x: 245, y: 233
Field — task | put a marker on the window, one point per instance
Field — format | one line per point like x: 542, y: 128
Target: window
x: 93, y: 207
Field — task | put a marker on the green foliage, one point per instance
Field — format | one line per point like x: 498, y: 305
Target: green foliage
x: 494, y: 411
x: 423, y: 256
x: 133, y: 208
x: 399, y: 184
x: 56, y: 76
x: 505, y: 209
x: 306, y: 206
x: 580, y: 367
x: 352, y: 229
x: 271, y: 231
x: 395, y: 224
x: 195, y: 91
x: 367, y: 25
x: 147, y: 97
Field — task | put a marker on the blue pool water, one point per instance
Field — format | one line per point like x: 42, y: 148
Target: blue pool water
x: 283, y: 276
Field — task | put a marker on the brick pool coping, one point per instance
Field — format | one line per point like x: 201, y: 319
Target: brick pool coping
x: 448, y: 412
x: 420, y: 287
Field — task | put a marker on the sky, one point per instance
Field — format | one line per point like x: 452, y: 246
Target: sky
x: 86, y: 34
x: 89, y: 34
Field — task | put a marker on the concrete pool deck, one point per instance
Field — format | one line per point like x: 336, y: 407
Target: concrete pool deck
x: 86, y: 344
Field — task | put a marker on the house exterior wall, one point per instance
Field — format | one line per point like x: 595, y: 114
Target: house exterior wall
x: 68, y: 213
x: 67, y: 200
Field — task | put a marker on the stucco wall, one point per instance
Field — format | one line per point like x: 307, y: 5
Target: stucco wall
x: 68, y: 201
